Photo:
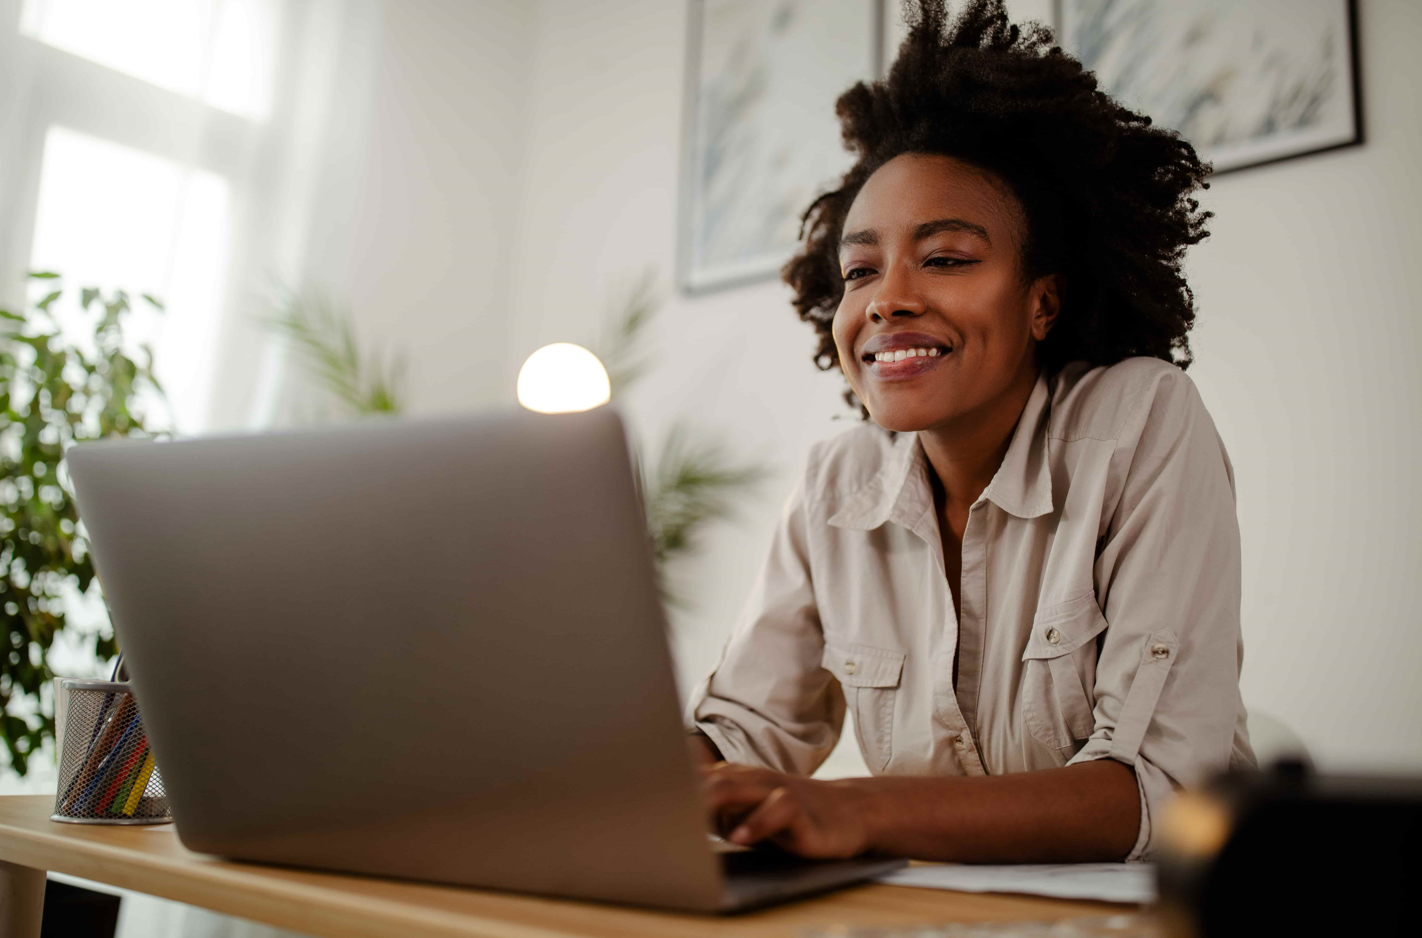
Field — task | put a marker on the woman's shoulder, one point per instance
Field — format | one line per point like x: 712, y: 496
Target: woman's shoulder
x: 845, y: 463
x: 1112, y: 402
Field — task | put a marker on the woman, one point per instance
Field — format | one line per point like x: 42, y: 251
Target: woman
x: 1023, y: 575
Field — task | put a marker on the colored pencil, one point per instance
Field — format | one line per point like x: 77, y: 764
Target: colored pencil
x: 118, y: 793
x: 136, y: 794
x: 130, y: 773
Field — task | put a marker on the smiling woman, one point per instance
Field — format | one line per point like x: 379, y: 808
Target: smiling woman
x: 1023, y: 574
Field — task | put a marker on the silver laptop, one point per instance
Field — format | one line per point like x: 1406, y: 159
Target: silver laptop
x: 429, y: 649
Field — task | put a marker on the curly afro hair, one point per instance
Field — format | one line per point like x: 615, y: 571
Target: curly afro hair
x: 1106, y: 197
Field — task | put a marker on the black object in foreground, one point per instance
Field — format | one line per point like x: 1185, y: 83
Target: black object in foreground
x: 1290, y: 852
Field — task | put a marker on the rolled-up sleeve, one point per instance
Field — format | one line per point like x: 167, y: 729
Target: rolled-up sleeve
x: 769, y: 702
x: 1168, y: 577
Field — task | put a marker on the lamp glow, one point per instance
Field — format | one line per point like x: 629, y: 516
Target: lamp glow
x: 563, y: 378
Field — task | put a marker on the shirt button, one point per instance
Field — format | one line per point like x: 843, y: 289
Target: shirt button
x: 849, y: 667
x: 1053, y: 636
x: 1160, y: 651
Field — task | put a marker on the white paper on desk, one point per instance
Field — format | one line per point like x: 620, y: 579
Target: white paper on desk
x: 1110, y: 882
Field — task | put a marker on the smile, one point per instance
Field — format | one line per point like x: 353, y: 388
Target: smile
x: 905, y: 353
x: 915, y: 355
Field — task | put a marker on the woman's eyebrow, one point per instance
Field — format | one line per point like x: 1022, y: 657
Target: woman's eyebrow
x: 930, y: 228
x: 870, y: 236
x: 867, y: 236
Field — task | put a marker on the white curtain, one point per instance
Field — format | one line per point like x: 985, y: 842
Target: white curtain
x: 177, y: 148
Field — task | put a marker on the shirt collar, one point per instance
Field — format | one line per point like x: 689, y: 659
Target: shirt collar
x: 900, y: 491
x: 1023, y: 483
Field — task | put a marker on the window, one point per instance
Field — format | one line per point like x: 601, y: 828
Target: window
x: 139, y: 151
x: 111, y: 215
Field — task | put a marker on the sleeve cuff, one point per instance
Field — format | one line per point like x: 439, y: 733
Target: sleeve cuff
x: 718, y: 739
x: 1155, y: 790
x: 730, y: 745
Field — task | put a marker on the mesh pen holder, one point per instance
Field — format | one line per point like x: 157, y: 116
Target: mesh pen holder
x: 106, y: 770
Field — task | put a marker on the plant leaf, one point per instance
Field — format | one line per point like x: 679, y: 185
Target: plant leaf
x: 692, y: 484
x: 323, y: 335
x: 620, y: 347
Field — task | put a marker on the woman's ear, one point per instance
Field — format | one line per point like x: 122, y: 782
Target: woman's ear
x: 1046, y: 304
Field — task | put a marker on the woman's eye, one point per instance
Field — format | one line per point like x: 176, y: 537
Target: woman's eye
x: 858, y: 273
x: 939, y: 260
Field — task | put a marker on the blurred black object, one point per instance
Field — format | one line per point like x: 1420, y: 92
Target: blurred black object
x: 74, y: 912
x: 1291, y: 852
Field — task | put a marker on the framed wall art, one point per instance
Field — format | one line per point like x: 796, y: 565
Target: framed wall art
x: 1246, y: 81
x: 760, y: 136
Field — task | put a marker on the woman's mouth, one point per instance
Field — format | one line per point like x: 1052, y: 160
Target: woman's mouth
x: 901, y: 363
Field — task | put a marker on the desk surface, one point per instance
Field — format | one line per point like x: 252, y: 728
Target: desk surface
x: 152, y: 860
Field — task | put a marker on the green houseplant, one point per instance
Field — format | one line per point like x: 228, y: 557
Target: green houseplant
x: 56, y: 390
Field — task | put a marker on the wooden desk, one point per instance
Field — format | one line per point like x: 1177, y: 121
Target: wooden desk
x: 151, y: 860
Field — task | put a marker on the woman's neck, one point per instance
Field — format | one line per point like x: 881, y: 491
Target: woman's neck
x: 964, y: 454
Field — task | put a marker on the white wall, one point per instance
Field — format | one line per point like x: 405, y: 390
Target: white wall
x: 430, y: 247
x: 1305, y: 350
x: 1307, y: 354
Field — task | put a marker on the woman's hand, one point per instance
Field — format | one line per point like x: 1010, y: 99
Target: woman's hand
x: 817, y: 819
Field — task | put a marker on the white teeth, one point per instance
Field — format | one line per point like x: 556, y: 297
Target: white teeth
x: 901, y: 354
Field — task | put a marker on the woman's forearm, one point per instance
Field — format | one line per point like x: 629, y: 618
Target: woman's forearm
x: 703, y: 751
x: 1086, y: 812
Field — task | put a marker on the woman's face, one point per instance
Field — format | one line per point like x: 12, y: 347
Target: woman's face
x: 937, y: 323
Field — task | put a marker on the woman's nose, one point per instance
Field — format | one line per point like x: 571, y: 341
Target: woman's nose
x: 895, y: 296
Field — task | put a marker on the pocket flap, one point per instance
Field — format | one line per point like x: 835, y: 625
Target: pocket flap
x: 1062, y: 629
x: 863, y: 665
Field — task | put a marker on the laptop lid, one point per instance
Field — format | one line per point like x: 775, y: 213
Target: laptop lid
x: 422, y: 648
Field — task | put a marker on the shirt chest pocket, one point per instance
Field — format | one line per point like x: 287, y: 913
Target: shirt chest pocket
x: 870, y: 678
x: 1059, y: 672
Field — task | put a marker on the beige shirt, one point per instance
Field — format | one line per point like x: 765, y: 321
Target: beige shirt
x: 1100, y: 602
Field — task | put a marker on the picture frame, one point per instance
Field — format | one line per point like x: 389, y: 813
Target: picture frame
x: 1248, y: 82
x: 760, y: 139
